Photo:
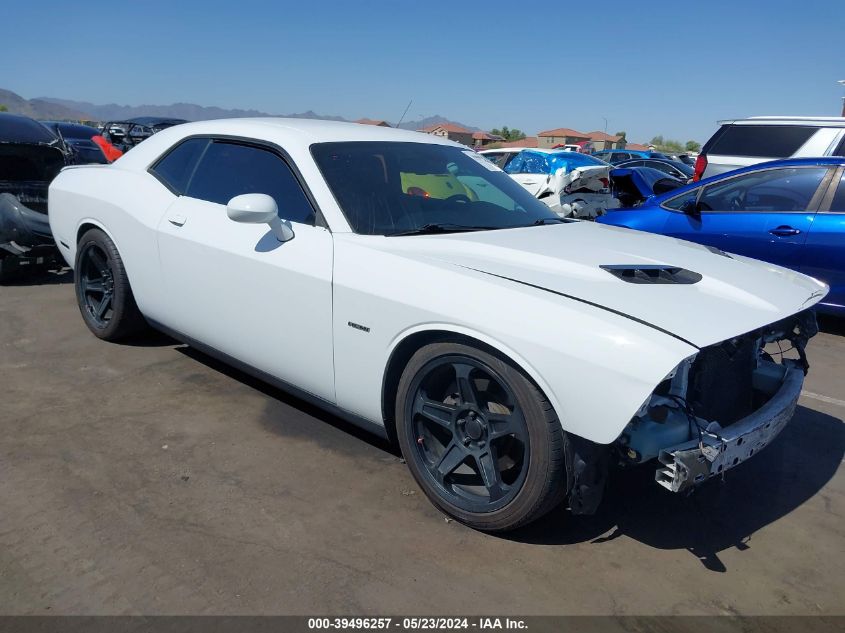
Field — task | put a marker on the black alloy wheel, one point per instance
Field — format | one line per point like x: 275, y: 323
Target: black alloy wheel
x: 96, y: 284
x: 479, y: 437
x: 469, y: 432
x: 102, y: 289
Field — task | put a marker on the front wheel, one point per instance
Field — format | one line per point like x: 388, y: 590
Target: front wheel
x: 479, y: 437
x: 102, y: 289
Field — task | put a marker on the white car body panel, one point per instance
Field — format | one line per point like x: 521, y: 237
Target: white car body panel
x: 266, y: 305
x: 823, y: 142
x: 325, y: 311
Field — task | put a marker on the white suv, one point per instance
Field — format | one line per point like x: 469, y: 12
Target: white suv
x: 742, y: 142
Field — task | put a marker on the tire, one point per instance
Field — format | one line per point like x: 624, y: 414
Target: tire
x: 480, y: 438
x: 102, y: 289
x: 8, y: 272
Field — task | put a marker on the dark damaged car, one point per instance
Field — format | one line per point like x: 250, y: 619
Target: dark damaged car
x: 30, y: 157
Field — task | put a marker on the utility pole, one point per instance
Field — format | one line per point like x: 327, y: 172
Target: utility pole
x: 842, y: 83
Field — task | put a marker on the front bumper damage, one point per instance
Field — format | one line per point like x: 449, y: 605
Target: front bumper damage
x: 721, y: 406
x: 718, y: 450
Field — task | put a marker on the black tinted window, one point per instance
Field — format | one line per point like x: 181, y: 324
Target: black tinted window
x: 177, y: 166
x: 682, y: 202
x: 763, y: 141
x: 767, y: 191
x: 230, y: 169
x: 838, y: 203
x: 666, y: 169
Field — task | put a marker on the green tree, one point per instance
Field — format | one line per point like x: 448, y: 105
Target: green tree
x: 508, y: 134
x: 624, y: 135
x: 3, y: 107
x: 666, y: 144
x: 692, y: 146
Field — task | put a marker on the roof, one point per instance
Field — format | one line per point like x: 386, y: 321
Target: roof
x: 528, y: 141
x: 155, y: 120
x: 516, y: 150
x: 786, y: 162
x: 564, y: 131
x: 603, y: 136
x: 486, y: 136
x: 378, y: 122
x: 449, y: 127
x: 295, y: 135
x: 822, y: 121
x: 636, y: 147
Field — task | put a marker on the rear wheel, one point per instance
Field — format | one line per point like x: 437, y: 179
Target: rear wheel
x: 479, y: 437
x: 102, y: 289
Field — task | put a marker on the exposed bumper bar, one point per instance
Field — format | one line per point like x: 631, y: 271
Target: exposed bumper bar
x: 21, y: 228
x: 687, y: 464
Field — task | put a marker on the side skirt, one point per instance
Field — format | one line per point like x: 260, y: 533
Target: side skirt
x: 310, y: 398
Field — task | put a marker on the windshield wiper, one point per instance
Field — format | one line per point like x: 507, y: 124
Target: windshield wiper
x: 544, y: 221
x: 441, y: 227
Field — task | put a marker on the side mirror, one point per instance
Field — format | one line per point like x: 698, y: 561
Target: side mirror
x: 259, y: 208
x: 690, y: 207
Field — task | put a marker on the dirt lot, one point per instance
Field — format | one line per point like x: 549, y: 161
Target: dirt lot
x: 152, y: 479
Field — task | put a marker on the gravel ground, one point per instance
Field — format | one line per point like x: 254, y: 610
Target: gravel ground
x: 152, y: 479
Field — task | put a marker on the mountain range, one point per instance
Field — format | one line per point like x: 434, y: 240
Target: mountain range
x: 51, y: 108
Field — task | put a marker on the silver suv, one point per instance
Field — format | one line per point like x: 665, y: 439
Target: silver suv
x: 743, y: 142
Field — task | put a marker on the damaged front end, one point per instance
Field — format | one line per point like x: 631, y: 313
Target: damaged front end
x: 721, y: 406
x: 30, y: 157
x: 585, y: 193
x: 632, y: 186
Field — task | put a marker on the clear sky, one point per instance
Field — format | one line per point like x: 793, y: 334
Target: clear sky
x: 670, y: 68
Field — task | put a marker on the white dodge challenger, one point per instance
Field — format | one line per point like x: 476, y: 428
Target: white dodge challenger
x: 411, y: 286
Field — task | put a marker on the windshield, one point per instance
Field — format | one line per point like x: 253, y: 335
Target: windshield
x: 386, y: 188
x: 573, y: 160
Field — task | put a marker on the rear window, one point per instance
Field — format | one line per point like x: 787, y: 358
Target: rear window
x: 760, y: 141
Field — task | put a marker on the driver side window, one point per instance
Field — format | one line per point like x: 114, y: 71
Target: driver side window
x: 769, y: 191
x: 228, y: 169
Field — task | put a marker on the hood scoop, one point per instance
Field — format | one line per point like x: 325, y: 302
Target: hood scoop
x: 650, y: 274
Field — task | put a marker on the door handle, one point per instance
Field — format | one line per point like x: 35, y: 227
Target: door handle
x: 177, y: 220
x: 784, y: 231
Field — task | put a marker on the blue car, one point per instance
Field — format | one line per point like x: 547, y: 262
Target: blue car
x: 614, y: 156
x: 787, y: 212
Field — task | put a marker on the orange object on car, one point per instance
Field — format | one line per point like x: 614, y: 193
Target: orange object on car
x: 110, y: 151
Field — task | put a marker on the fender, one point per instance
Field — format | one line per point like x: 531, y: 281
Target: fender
x: 490, y: 341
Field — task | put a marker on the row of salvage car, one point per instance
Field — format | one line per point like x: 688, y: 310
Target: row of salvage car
x: 789, y: 211
x: 31, y: 155
x: 582, y: 186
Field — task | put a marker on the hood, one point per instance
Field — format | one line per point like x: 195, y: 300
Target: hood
x: 690, y: 291
x: 633, y: 185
